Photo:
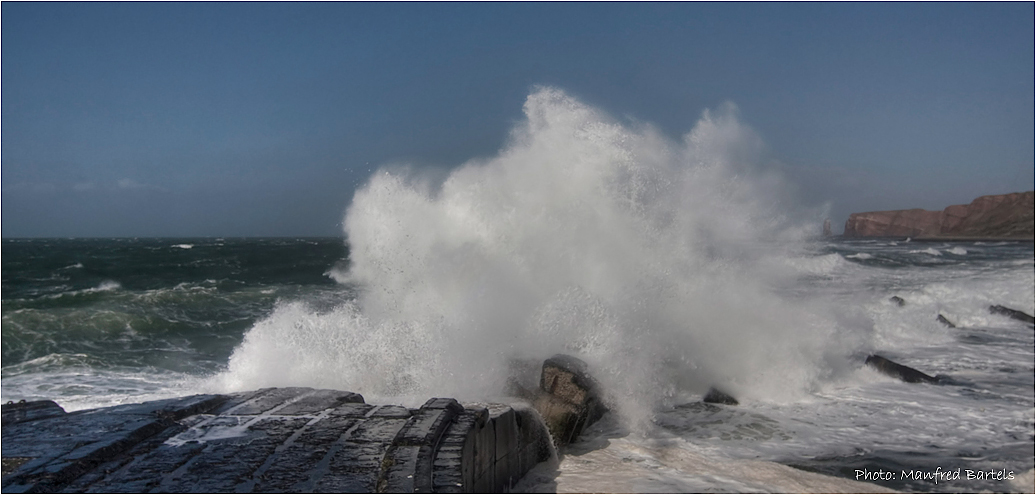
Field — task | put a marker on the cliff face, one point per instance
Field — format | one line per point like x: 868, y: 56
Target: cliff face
x: 1004, y: 215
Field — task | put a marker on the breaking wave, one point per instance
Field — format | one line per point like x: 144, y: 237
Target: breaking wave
x: 657, y: 261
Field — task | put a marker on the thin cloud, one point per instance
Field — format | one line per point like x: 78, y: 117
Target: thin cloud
x: 131, y: 184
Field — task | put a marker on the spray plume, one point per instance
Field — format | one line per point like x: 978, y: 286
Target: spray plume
x: 655, y: 261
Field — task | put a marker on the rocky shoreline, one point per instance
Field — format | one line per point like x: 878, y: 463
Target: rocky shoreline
x: 996, y: 218
x: 301, y: 440
x: 304, y: 440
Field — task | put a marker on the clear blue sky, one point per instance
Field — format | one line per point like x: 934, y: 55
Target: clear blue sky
x: 229, y: 119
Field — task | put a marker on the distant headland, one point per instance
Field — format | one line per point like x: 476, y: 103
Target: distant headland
x: 1002, y: 216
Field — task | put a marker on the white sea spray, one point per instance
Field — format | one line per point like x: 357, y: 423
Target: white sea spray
x: 656, y: 261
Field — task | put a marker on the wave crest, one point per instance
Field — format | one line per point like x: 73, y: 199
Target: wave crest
x: 650, y: 259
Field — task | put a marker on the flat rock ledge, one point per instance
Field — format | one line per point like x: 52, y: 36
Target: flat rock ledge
x: 271, y: 440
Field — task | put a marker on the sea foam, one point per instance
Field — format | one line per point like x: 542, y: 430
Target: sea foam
x: 653, y: 260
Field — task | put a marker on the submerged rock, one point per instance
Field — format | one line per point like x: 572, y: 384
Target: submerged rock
x: 1012, y: 313
x: 896, y: 370
x: 715, y: 396
x: 942, y: 319
x: 898, y: 301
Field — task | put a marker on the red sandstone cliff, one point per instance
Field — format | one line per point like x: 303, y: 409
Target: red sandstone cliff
x: 999, y: 216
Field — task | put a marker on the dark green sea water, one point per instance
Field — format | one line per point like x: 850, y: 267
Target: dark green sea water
x: 103, y: 317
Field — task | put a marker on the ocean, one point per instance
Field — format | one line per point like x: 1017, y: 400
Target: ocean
x: 669, y: 265
x: 98, y: 322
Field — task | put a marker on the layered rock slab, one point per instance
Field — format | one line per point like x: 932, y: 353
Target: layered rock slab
x: 272, y: 440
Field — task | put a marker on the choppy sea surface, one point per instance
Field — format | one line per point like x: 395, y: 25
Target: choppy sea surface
x: 94, y: 322
x: 97, y: 322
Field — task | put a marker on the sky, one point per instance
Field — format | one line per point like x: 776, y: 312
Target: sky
x: 261, y: 119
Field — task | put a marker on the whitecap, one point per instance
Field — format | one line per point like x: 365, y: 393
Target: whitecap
x: 107, y: 285
x: 104, y: 286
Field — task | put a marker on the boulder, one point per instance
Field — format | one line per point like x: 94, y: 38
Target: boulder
x: 942, y: 319
x: 997, y: 216
x: 715, y: 396
x: 569, y: 398
x: 896, y: 370
x: 1012, y: 313
x: 898, y: 301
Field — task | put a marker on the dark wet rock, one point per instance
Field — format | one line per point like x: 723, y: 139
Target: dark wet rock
x: 408, y: 459
x: 942, y: 319
x: 16, y: 412
x: 898, y: 301
x: 1012, y: 313
x: 274, y: 440
x: 64, y: 448
x: 896, y: 370
x: 507, y: 442
x: 716, y: 396
x: 569, y: 398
